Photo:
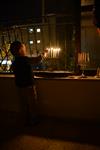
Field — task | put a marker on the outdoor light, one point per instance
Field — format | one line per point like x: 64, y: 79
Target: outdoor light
x: 31, y: 42
x: 38, y: 30
x: 30, y: 30
x: 38, y: 41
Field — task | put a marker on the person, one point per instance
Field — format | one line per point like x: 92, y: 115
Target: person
x: 24, y: 80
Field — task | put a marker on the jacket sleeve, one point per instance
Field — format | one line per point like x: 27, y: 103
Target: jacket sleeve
x: 35, y: 60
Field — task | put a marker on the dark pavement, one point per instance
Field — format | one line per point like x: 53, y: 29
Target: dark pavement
x: 48, y: 134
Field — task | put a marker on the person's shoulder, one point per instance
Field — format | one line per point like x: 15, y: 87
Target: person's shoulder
x: 21, y: 58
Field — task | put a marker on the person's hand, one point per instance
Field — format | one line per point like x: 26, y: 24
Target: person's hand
x: 45, y: 53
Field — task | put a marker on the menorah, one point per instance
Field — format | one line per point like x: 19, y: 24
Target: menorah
x: 83, y: 60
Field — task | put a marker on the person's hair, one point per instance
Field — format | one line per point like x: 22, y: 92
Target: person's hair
x: 14, y: 48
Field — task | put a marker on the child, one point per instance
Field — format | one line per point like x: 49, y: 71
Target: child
x: 24, y: 79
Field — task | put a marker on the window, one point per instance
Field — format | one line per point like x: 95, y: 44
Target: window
x: 30, y: 30
x: 38, y: 41
x: 38, y: 30
x: 31, y: 42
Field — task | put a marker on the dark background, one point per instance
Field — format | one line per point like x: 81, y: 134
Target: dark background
x: 97, y: 13
x: 15, y: 11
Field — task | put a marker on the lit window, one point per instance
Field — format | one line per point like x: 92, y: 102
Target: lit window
x: 9, y: 62
x: 31, y: 42
x: 38, y: 41
x: 30, y: 30
x: 38, y: 30
x: 4, y: 62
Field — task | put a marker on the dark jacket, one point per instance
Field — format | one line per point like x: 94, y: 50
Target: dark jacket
x: 22, y: 68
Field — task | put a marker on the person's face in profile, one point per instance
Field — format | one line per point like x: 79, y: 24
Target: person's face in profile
x: 22, y: 50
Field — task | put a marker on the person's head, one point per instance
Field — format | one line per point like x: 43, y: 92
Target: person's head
x: 18, y: 49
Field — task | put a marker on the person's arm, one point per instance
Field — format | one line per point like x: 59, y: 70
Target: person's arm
x: 35, y: 60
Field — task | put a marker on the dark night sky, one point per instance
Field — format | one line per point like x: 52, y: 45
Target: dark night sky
x: 64, y: 6
x: 19, y: 10
x: 15, y: 10
x: 97, y: 13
